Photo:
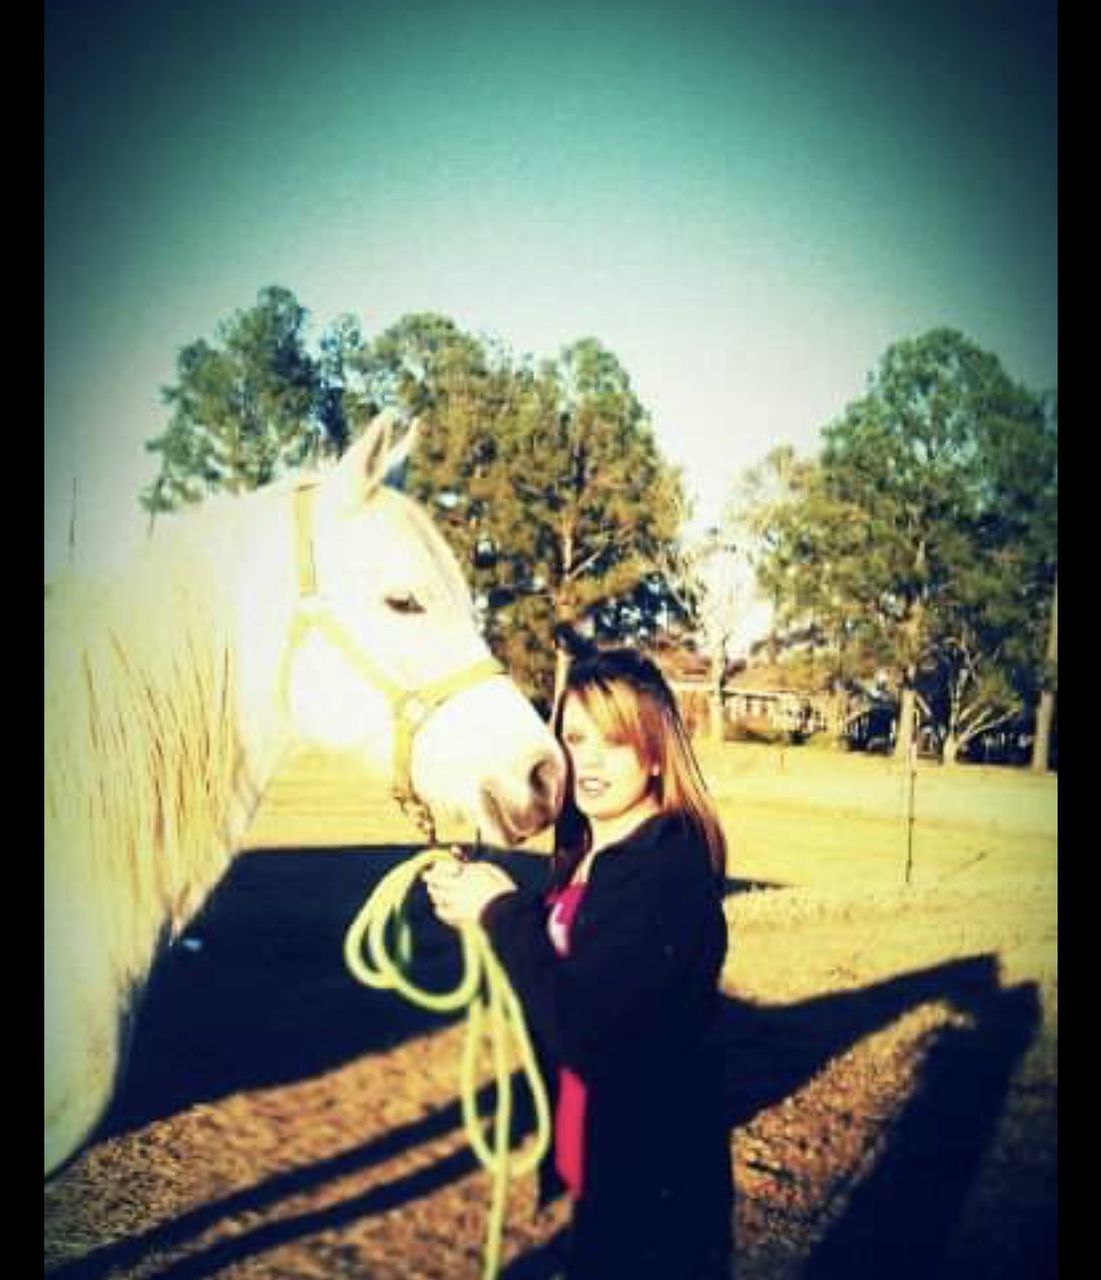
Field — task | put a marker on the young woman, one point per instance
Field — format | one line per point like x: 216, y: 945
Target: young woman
x: 617, y: 968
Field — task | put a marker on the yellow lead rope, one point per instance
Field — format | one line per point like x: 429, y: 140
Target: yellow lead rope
x: 492, y: 1009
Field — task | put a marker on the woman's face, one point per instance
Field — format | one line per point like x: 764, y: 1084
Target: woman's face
x: 610, y: 779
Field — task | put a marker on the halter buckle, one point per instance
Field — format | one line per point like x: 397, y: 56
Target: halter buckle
x: 415, y: 711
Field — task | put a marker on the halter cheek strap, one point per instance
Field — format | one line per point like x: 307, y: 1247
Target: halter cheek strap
x: 410, y: 707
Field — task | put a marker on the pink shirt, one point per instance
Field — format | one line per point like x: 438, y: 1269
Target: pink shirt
x: 569, y: 1119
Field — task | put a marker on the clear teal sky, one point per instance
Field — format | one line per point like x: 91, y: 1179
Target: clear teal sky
x: 746, y: 200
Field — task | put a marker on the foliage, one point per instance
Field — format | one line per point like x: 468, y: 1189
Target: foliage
x: 921, y: 539
x: 780, y: 516
x: 344, y: 407
x: 925, y: 530
x: 243, y: 409
x: 547, y: 482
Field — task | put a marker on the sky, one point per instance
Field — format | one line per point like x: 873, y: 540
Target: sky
x: 746, y: 201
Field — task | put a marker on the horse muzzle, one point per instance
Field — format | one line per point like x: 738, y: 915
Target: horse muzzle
x: 515, y: 810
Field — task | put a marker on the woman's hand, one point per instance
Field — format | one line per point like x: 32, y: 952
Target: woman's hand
x: 461, y: 891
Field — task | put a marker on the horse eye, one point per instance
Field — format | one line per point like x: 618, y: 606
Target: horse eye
x: 404, y: 602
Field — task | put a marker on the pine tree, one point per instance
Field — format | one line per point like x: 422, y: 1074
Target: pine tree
x: 547, y: 481
x: 244, y: 409
x: 928, y: 527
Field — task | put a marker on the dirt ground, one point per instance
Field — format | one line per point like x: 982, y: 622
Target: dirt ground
x: 891, y: 1049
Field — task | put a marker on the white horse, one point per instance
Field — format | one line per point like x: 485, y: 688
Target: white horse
x: 325, y: 609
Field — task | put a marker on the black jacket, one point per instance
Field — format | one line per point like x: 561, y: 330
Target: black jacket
x: 632, y: 1011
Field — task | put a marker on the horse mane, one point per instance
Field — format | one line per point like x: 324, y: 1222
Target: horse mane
x: 141, y: 749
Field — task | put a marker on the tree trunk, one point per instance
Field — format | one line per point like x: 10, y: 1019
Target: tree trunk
x: 561, y: 664
x: 715, y: 716
x: 1041, y: 747
x: 913, y: 629
x: 715, y: 695
x: 1045, y: 711
x: 907, y: 709
x: 951, y: 751
x: 837, y: 716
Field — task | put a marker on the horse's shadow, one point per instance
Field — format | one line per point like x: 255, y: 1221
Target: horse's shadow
x: 256, y: 992
x: 285, y: 1007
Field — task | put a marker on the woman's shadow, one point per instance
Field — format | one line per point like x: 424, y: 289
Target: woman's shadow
x: 258, y: 999
x: 902, y: 1218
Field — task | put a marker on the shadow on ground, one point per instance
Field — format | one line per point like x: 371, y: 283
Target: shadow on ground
x: 903, y: 1219
x: 265, y: 998
x: 256, y: 993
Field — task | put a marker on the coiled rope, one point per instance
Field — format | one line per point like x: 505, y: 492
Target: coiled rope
x: 493, y: 1012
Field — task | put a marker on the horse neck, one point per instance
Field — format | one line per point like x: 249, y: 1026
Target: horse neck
x: 262, y: 601
x: 142, y: 742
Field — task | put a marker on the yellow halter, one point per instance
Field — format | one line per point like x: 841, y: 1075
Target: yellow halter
x: 409, y: 707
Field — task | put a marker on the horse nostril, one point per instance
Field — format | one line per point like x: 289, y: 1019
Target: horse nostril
x: 546, y: 782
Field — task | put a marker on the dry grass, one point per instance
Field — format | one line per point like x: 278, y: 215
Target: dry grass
x: 869, y: 875
x: 956, y: 916
x: 892, y: 1050
x: 975, y: 872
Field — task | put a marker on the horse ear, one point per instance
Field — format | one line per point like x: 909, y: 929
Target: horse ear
x: 372, y: 458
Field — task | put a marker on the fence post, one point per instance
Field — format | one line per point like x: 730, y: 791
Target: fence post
x: 912, y: 763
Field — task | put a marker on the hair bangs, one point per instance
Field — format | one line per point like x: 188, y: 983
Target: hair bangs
x: 623, y: 715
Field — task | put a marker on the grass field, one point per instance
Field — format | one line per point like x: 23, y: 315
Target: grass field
x: 907, y: 921
x: 952, y: 1095
x: 892, y: 1048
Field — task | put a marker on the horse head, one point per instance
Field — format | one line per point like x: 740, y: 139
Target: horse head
x: 384, y: 654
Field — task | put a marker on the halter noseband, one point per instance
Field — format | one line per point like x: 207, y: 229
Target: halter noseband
x: 410, y: 707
